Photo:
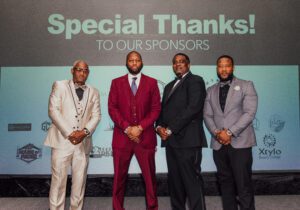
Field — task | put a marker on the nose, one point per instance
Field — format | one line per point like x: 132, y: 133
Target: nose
x: 223, y: 69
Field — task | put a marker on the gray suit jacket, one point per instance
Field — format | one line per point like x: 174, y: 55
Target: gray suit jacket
x: 64, y: 116
x: 239, y: 112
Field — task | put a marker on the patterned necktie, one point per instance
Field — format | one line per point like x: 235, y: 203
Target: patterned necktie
x: 79, y: 92
x: 133, y: 86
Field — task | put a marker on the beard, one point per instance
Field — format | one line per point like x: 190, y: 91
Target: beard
x: 136, y: 71
x: 230, y: 76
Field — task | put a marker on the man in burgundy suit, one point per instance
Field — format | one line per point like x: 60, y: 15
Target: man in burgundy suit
x: 134, y: 106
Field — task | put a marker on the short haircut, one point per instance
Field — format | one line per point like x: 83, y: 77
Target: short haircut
x: 79, y: 61
x: 132, y: 53
x: 225, y: 56
x: 182, y: 54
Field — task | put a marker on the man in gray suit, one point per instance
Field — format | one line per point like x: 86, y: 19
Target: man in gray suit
x: 229, y: 110
x: 74, y: 108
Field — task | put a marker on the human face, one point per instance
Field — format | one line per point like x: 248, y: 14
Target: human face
x: 134, y: 63
x: 224, y: 69
x: 80, y: 73
x: 180, y: 65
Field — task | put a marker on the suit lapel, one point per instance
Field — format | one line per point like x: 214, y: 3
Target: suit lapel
x: 172, y: 90
x: 216, y: 97
x: 230, y: 95
x: 167, y: 91
x: 126, y: 85
x: 73, y: 94
x: 141, y: 86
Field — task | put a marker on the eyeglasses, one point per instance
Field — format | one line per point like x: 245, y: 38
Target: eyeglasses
x: 81, y: 70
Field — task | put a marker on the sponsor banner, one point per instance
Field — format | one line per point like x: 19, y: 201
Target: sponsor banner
x: 56, y: 33
x: 276, y: 123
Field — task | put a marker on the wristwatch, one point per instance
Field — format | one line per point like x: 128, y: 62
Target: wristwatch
x: 86, y: 131
x: 228, y: 132
x: 169, y: 132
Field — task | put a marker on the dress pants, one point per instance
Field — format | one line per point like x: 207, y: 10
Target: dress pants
x: 234, y: 176
x: 61, y: 160
x: 184, y: 178
x: 145, y: 158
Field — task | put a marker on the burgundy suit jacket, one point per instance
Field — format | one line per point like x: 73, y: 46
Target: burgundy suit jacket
x: 147, y: 100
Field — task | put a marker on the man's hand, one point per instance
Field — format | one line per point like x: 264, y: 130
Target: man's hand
x: 133, y: 133
x: 162, y: 132
x: 223, y: 137
x: 76, y: 137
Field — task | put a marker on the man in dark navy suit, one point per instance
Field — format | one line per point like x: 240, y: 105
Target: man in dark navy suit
x: 180, y: 127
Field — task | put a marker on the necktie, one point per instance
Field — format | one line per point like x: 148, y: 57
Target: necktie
x: 222, y: 84
x: 79, y: 92
x: 133, y: 86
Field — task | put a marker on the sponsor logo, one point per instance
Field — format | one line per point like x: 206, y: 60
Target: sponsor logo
x: 269, y: 150
x: 19, y: 127
x: 29, y: 153
x: 99, y: 152
x: 45, y: 126
x: 276, y: 123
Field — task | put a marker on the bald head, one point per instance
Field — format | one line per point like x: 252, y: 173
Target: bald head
x: 134, y: 62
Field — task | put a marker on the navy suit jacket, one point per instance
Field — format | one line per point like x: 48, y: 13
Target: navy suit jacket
x: 182, y: 112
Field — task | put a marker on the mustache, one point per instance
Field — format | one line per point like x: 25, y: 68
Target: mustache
x: 135, y: 72
x: 229, y: 77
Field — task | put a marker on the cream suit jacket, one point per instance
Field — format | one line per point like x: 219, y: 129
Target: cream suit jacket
x: 239, y: 112
x: 64, y: 116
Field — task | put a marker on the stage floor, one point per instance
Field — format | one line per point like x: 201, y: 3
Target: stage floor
x: 275, y: 202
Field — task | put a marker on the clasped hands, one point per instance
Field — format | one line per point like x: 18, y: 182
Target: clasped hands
x: 163, y: 133
x: 223, y: 137
x: 134, y: 133
x: 77, y: 137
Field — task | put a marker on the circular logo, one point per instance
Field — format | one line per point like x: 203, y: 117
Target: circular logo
x: 276, y: 123
x: 269, y: 140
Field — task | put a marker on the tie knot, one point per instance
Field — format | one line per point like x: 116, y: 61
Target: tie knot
x: 178, y: 78
x: 134, y: 78
x: 227, y: 83
x: 83, y: 87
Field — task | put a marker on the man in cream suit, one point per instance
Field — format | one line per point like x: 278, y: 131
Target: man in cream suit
x: 74, y: 108
x: 229, y: 110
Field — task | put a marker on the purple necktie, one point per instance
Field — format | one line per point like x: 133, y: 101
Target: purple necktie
x: 133, y: 86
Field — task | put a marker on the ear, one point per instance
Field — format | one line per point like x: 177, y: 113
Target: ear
x: 72, y: 71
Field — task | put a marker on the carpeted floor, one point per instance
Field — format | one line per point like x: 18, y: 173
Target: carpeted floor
x: 278, y: 202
